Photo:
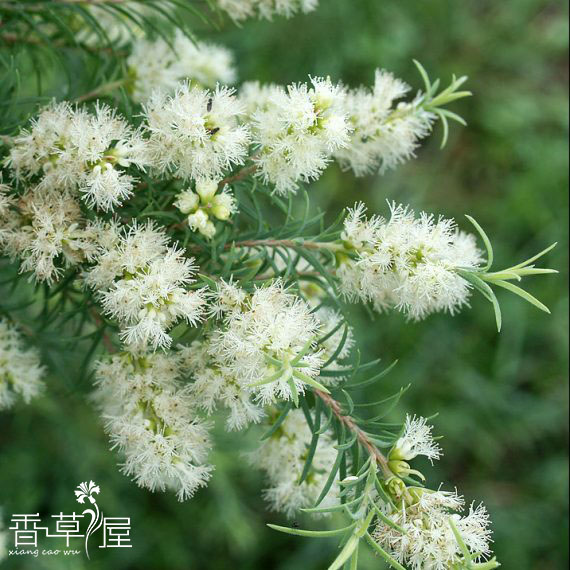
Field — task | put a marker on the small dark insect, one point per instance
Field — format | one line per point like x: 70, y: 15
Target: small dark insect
x: 210, y: 104
x: 295, y: 524
x: 213, y: 131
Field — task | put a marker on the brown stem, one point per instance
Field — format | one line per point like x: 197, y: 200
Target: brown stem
x: 240, y: 175
x: 315, y: 245
x: 38, y: 6
x: 101, y: 90
x: 10, y: 38
x: 362, y: 436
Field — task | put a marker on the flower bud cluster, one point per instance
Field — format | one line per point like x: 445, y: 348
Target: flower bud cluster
x: 21, y: 371
x: 206, y: 205
x: 150, y: 419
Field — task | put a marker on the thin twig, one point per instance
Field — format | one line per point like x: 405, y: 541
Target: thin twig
x: 101, y: 90
x: 240, y: 175
x: 362, y: 436
x: 10, y: 38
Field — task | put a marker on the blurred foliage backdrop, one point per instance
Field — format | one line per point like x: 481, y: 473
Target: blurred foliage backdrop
x: 502, y: 399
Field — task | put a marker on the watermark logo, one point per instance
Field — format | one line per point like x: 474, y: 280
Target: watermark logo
x: 116, y: 531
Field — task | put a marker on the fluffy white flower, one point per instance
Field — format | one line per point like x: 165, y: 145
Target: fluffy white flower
x: 215, y: 387
x: 150, y: 419
x: 283, y: 456
x: 407, y: 263
x: 298, y: 129
x: 240, y: 10
x: 429, y: 542
x: 47, y: 233
x: 158, y: 64
x: 417, y: 439
x: 21, y: 371
x: 141, y: 282
x: 195, y: 133
x: 69, y: 149
x: 267, y: 343
x: 385, y: 133
x: 6, y: 201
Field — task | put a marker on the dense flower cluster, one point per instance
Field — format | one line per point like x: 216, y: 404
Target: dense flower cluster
x: 71, y: 150
x: 21, y: 371
x: 141, y: 281
x: 421, y: 534
x: 161, y: 65
x: 46, y: 231
x: 428, y: 542
x: 150, y: 419
x: 194, y: 134
x: 240, y: 10
x: 384, y: 134
x: 406, y: 262
x: 215, y: 387
x: 268, y: 342
x: 282, y: 457
x: 297, y: 130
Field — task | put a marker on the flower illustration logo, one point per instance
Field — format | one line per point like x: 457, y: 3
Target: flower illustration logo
x: 87, y: 491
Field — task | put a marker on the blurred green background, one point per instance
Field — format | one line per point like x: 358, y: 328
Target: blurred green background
x: 502, y: 399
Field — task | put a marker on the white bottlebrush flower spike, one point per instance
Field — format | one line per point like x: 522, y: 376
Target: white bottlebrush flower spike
x: 268, y: 344
x: 240, y: 10
x: 47, y: 233
x: 142, y: 282
x: 215, y: 387
x: 70, y: 149
x: 385, y: 133
x: 282, y: 457
x: 160, y: 65
x: 150, y: 418
x: 194, y: 133
x: 406, y: 262
x: 298, y: 130
x: 21, y: 371
x: 428, y: 542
